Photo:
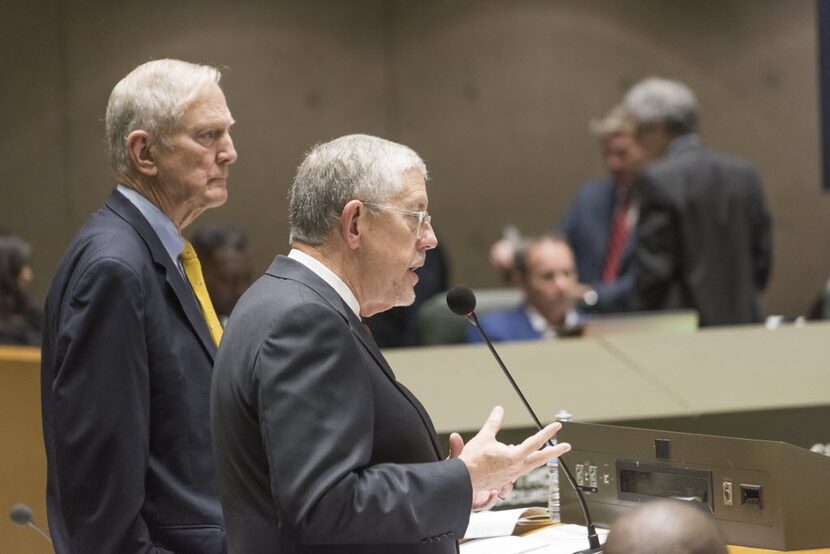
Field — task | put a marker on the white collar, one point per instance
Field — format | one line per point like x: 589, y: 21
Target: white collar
x: 327, y: 275
x: 541, y: 325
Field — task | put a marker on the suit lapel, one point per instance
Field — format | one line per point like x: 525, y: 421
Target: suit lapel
x: 129, y: 213
x: 290, y: 269
x: 371, y: 346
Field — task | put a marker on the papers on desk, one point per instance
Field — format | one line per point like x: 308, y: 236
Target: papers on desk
x: 565, y: 538
x: 491, y: 533
x: 504, y: 545
x: 505, y: 522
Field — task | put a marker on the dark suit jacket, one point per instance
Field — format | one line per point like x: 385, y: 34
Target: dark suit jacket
x: 703, y: 236
x: 503, y: 326
x: 319, y: 449
x: 586, y: 227
x: 125, y: 395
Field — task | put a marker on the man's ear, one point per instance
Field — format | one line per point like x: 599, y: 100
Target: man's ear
x: 352, y: 222
x: 138, y: 145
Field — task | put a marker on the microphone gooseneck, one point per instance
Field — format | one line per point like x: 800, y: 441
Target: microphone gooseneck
x: 462, y: 301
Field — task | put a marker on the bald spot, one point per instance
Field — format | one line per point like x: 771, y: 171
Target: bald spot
x: 665, y: 527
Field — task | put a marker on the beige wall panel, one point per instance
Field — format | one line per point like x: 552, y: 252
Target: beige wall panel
x: 299, y: 72
x: 496, y: 96
x: 33, y: 189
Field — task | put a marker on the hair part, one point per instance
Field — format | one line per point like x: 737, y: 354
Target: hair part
x: 353, y: 167
x: 662, y: 101
x: 152, y: 97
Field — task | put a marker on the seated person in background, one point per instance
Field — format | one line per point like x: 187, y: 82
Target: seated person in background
x: 226, y: 265
x: 664, y: 527
x: 399, y: 326
x: 20, y: 320
x: 599, y: 222
x: 544, y: 270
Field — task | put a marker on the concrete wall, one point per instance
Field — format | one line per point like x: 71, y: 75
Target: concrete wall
x: 496, y: 96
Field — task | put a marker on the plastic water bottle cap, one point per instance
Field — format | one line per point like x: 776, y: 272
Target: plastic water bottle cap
x: 563, y: 415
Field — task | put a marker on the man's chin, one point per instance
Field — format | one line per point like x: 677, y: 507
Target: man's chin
x: 405, y: 299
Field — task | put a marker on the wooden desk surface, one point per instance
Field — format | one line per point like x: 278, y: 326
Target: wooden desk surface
x: 735, y: 549
x: 622, y: 377
x: 746, y: 550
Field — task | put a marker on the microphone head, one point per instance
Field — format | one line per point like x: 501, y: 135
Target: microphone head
x: 461, y: 300
x: 21, y: 514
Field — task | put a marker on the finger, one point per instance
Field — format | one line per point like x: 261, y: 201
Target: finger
x: 548, y: 453
x: 493, y: 423
x: 494, y: 498
x: 487, y: 501
x: 535, y: 442
x: 505, y: 490
x: 456, y: 445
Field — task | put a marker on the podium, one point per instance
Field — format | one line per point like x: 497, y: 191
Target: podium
x: 763, y: 494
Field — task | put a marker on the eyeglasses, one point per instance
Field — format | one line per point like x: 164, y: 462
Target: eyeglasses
x: 422, y: 216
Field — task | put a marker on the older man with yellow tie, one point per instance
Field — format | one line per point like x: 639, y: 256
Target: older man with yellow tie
x: 131, y: 334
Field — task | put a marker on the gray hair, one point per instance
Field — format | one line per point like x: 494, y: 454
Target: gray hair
x: 656, y: 100
x: 152, y: 97
x: 360, y: 167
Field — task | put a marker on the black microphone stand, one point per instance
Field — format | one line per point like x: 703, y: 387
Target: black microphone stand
x: 593, y: 540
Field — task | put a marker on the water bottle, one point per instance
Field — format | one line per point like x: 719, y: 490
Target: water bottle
x: 554, y: 508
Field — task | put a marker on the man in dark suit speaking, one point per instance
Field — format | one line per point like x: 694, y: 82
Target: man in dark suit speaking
x: 130, y: 333
x: 319, y: 448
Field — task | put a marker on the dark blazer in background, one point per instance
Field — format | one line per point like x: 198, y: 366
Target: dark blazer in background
x: 126, y: 373
x: 703, y: 236
x: 319, y: 449
x: 586, y: 227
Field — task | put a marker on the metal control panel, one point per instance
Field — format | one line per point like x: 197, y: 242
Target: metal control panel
x: 761, y: 493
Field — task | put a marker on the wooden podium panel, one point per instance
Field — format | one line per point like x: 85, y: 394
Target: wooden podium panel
x: 23, y: 463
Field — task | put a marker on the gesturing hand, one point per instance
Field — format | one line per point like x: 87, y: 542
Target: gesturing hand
x: 483, y: 499
x: 494, y: 466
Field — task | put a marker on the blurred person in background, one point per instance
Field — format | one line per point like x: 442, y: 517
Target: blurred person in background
x: 704, y: 233
x: 226, y: 265
x: 20, y: 320
x: 599, y: 223
x: 665, y: 527
x: 545, y: 272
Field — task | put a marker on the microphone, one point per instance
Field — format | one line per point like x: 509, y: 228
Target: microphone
x: 21, y: 514
x: 462, y: 301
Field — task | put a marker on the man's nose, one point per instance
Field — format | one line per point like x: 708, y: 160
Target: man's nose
x: 428, y: 238
x: 227, y: 154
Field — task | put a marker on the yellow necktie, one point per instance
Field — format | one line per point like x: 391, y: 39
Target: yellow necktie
x: 193, y: 270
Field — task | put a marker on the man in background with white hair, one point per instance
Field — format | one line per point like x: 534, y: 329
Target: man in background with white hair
x: 319, y: 448
x: 130, y: 332
x: 703, y: 239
